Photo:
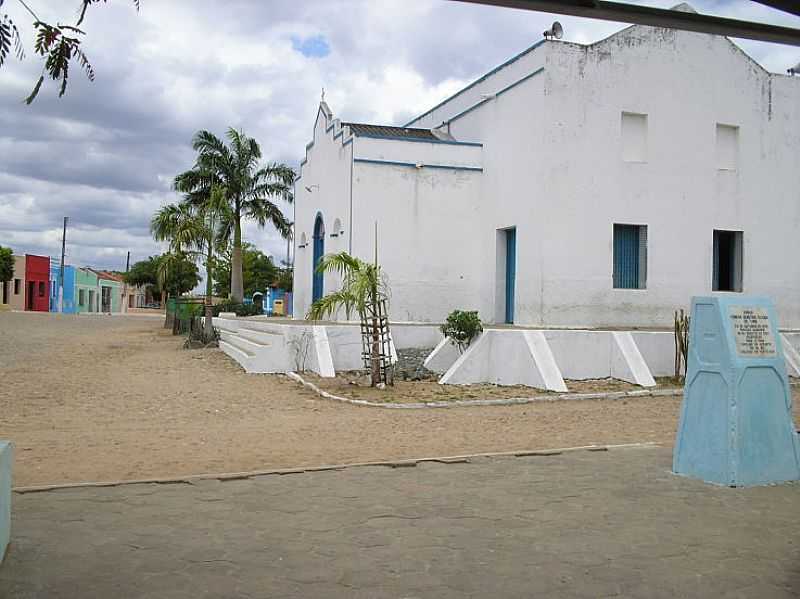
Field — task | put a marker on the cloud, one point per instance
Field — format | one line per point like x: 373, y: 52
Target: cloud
x: 105, y: 154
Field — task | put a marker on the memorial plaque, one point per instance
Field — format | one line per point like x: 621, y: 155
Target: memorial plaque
x: 752, y: 331
x: 736, y: 427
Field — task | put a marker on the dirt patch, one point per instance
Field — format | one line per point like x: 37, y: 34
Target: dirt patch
x: 92, y: 398
x: 356, y: 385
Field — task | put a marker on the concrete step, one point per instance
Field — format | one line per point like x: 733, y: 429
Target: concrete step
x: 258, y: 337
x: 243, y: 345
x: 241, y: 357
x: 267, y: 328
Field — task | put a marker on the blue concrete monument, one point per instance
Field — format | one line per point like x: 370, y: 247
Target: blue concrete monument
x: 6, y: 457
x: 736, y: 425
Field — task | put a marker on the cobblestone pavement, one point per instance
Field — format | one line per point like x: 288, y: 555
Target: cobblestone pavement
x: 580, y: 524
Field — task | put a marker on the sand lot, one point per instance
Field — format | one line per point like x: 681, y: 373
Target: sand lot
x: 91, y: 398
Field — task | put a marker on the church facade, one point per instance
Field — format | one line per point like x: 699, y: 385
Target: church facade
x: 574, y: 185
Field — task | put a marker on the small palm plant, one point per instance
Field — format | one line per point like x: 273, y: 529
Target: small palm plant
x: 364, y: 290
x: 192, y: 230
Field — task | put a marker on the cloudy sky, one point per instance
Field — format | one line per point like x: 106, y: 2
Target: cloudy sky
x: 105, y: 154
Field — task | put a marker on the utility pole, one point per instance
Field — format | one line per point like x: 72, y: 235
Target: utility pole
x: 61, y: 269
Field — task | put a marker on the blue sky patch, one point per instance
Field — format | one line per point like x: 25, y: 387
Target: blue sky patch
x: 315, y: 46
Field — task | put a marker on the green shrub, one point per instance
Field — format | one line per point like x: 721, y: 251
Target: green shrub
x: 461, y: 327
x: 239, y: 309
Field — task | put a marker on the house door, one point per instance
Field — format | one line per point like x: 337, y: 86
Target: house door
x: 511, y: 272
x: 5, y: 292
x: 319, y: 251
x: 31, y: 295
x: 106, y: 298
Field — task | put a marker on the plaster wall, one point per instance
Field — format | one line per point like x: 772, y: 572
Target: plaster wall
x: 327, y: 172
x: 428, y: 237
x: 16, y: 301
x: 37, y: 272
x: 677, y: 190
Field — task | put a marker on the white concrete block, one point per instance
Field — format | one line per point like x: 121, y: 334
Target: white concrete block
x: 507, y: 357
x: 543, y: 358
x: 658, y: 350
x: 792, y: 357
x: 324, y: 359
x: 627, y: 363
x: 442, y: 357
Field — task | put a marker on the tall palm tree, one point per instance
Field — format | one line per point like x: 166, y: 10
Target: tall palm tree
x: 248, y: 189
x: 363, y: 290
x: 193, y: 231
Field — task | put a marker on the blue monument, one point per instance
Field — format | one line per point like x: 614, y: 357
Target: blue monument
x: 736, y: 425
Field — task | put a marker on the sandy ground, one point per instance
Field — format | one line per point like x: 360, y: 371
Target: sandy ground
x: 102, y: 398
x: 354, y: 385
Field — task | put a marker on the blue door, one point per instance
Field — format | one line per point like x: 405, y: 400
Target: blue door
x: 319, y: 251
x: 511, y: 272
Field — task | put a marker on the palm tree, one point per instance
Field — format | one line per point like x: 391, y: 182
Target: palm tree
x: 247, y: 187
x: 363, y: 290
x: 192, y: 231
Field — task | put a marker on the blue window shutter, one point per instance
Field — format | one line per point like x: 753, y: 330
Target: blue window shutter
x: 715, y: 267
x: 626, y: 256
x: 642, y: 230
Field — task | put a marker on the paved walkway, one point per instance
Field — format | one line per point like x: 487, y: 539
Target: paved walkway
x: 579, y: 524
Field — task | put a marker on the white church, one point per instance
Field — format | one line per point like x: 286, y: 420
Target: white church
x: 574, y: 185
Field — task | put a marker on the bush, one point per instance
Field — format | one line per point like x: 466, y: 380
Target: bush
x: 461, y: 327
x: 239, y: 309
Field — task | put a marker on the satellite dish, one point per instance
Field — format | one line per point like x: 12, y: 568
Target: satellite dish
x: 795, y: 70
x: 556, y: 31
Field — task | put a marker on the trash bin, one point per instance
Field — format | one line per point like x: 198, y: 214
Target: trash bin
x: 277, y: 307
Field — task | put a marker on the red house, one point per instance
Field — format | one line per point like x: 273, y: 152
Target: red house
x: 37, y: 283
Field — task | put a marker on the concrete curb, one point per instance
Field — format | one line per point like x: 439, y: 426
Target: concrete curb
x: 512, y: 401
x: 405, y: 463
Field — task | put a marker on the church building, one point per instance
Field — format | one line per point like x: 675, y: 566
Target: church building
x: 573, y: 185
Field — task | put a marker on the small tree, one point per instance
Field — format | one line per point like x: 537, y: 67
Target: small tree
x: 461, y: 328
x: 192, y: 231
x: 6, y: 264
x: 364, y: 290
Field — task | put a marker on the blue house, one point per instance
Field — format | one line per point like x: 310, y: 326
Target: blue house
x: 69, y: 306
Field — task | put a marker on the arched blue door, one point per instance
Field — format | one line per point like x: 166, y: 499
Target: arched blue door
x: 319, y: 251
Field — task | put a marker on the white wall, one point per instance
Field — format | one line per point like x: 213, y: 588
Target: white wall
x: 686, y: 83
x: 327, y: 173
x: 428, y: 226
x: 553, y: 167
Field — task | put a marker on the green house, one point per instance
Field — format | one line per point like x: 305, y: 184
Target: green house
x: 86, y: 291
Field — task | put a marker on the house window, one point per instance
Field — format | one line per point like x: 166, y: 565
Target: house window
x: 17, y: 283
x: 81, y: 297
x: 727, y: 147
x: 630, y: 256
x: 727, y: 269
x: 42, y: 292
x: 634, y: 137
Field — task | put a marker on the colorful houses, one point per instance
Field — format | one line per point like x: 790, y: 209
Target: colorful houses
x: 36, y: 285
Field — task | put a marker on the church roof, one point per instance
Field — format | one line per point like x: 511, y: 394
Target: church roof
x: 387, y: 131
